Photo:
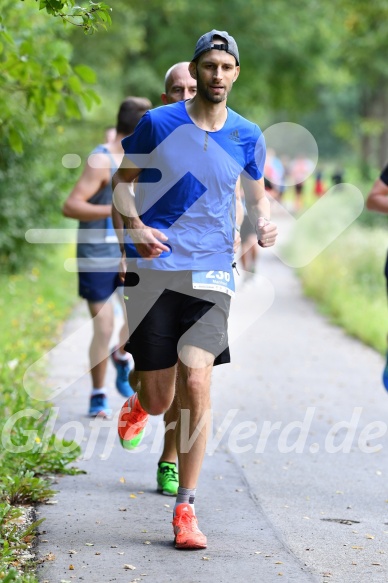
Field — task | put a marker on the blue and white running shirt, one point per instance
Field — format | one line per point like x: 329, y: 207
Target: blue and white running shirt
x: 187, y: 185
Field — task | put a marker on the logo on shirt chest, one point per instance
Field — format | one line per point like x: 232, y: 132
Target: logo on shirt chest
x: 234, y: 136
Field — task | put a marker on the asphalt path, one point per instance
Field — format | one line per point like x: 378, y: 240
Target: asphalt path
x: 294, y: 482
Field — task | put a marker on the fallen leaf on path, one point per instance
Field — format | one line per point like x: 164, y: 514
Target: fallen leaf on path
x: 122, y: 509
x: 147, y: 542
x: 97, y: 553
x: 50, y: 557
x: 132, y: 496
x: 278, y: 563
x: 89, y: 544
x: 71, y: 567
x: 377, y: 564
x: 206, y: 558
x: 51, y: 502
x: 130, y: 567
x: 358, y: 548
x: 120, y: 553
x: 369, y: 536
x: 72, y: 552
x: 122, y: 480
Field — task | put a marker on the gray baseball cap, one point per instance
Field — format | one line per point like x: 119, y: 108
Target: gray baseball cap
x: 205, y: 43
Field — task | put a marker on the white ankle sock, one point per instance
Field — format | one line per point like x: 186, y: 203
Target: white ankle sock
x: 101, y: 391
x: 120, y: 356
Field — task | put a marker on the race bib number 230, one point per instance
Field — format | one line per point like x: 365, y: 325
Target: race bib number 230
x: 221, y: 281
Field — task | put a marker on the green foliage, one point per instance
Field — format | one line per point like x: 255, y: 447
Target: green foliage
x: 364, y: 42
x: 13, y: 576
x: 35, y: 70
x: 90, y: 18
x: 13, y: 539
x: 24, y: 488
x: 30, y: 197
x: 297, y: 59
x: 37, y: 455
x: 347, y: 280
x: 39, y: 90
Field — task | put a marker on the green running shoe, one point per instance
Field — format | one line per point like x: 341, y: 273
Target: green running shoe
x: 167, y: 478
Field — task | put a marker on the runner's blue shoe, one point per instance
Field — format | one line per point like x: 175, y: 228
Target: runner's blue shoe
x: 123, y: 368
x: 99, y: 406
x: 385, y: 374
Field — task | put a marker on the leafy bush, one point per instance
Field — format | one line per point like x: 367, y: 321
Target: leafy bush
x: 29, y: 198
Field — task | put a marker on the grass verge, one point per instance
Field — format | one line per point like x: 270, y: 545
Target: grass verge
x: 347, y: 278
x: 33, y: 306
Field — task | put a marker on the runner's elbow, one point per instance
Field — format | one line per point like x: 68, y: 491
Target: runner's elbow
x: 68, y: 210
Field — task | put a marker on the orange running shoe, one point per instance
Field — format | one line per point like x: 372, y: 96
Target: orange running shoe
x: 132, y: 421
x: 187, y: 533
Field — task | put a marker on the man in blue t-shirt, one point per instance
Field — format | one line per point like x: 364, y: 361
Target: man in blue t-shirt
x: 180, y: 217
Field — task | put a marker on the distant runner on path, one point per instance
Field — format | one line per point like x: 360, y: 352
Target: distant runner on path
x: 98, y: 255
